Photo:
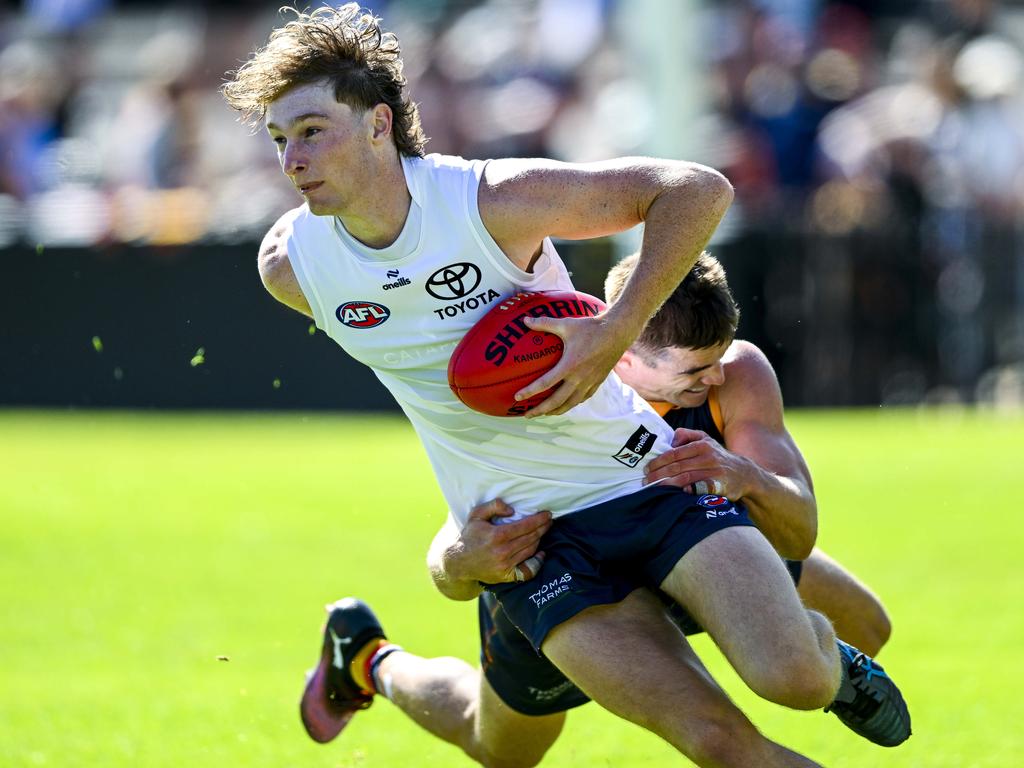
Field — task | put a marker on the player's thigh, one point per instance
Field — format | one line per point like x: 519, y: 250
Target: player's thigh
x: 632, y: 660
x: 736, y: 586
x: 510, y: 738
x: 856, y: 612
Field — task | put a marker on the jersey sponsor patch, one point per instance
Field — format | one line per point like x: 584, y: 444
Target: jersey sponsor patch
x: 454, y: 281
x: 362, y: 314
x: 638, y: 446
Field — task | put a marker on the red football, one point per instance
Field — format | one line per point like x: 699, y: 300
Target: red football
x: 499, y: 355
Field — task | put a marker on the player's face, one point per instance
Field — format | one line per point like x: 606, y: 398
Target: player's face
x: 322, y: 145
x: 677, y: 375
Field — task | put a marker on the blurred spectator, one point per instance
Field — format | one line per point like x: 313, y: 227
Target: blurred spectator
x: 877, y: 150
x: 32, y: 91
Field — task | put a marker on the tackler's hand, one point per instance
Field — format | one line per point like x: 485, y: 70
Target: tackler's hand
x: 492, y: 551
x: 699, y: 464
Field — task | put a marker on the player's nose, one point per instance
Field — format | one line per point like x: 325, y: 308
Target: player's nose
x: 715, y: 375
x: 293, y: 161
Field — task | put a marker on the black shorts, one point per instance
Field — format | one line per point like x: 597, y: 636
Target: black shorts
x: 599, y: 555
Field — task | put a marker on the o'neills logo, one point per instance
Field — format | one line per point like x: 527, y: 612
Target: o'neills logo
x: 500, y: 344
x: 397, y: 284
x: 638, y: 446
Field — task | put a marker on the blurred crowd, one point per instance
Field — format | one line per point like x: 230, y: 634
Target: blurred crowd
x: 887, y: 134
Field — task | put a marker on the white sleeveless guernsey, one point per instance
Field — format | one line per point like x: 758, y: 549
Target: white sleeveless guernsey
x: 403, y: 317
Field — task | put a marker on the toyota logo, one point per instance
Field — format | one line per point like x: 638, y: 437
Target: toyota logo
x: 454, y: 281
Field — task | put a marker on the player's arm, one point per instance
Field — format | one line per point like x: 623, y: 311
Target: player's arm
x: 777, y: 487
x: 760, y: 462
x: 276, y: 269
x: 680, y: 204
x: 485, y: 552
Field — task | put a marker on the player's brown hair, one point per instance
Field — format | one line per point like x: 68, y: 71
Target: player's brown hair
x: 700, y: 313
x: 344, y: 46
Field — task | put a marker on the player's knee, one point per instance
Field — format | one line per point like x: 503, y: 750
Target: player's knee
x: 797, y: 682
x: 719, y: 736
x: 525, y: 759
x: 722, y: 743
x: 524, y: 753
x: 877, y: 630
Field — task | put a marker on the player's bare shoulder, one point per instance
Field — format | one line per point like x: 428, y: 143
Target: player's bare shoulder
x: 276, y: 269
x: 750, y: 381
x: 743, y: 359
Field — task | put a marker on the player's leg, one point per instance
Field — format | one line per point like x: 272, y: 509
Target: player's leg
x: 444, y: 695
x: 705, y: 553
x: 856, y: 612
x: 737, y: 588
x: 455, y: 702
x: 632, y: 660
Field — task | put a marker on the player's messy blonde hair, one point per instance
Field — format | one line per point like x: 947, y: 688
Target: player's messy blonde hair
x: 344, y: 46
x: 700, y: 313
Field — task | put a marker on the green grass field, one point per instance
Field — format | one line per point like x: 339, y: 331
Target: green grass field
x: 136, y: 549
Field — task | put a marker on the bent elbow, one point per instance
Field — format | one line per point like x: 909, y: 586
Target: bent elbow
x: 717, y: 189
x: 802, y: 542
x: 724, y: 190
x: 799, y: 551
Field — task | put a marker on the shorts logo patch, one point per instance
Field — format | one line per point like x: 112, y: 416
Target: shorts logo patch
x: 638, y: 446
x: 552, y: 589
x: 711, y: 501
x: 717, y: 506
x: 550, y: 694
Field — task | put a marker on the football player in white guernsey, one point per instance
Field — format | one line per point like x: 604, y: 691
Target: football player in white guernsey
x: 328, y: 87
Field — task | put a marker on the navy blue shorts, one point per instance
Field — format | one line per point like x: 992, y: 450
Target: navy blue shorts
x: 599, y: 555
x: 525, y: 679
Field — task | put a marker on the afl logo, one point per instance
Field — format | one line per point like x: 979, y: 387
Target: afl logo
x: 362, y: 314
x: 710, y: 501
x: 454, y: 281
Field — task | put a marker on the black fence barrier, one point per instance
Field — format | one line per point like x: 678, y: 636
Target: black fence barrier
x: 856, y: 320
x: 183, y: 328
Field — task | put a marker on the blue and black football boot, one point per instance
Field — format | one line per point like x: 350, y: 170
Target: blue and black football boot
x: 332, y: 696
x: 868, y: 702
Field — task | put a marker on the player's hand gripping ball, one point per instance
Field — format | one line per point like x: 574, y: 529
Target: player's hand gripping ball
x: 499, y: 355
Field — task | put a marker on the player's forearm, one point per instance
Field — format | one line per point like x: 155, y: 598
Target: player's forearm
x: 677, y: 225
x: 784, y: 510
x: 442, y: 563
x: 456, y: 589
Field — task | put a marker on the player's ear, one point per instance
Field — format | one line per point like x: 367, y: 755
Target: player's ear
x: 381, y: 121
x: 628, y: 360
